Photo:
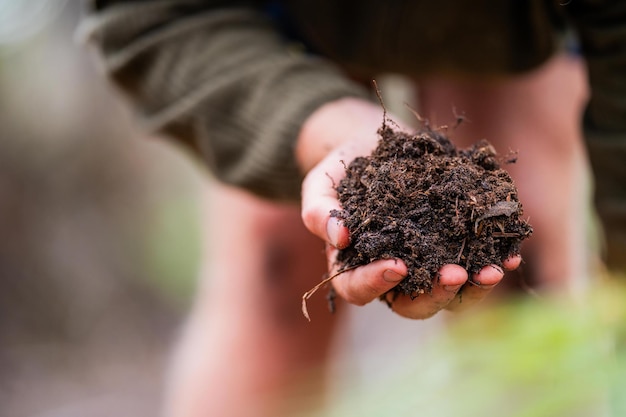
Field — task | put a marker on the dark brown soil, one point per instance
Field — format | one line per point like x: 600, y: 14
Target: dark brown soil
x: 420, y: 199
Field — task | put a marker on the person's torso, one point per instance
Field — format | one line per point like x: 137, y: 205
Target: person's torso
x: 419, y: 37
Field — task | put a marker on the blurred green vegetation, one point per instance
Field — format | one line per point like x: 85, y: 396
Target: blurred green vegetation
x: 526, y: 358
x: 172, y: 247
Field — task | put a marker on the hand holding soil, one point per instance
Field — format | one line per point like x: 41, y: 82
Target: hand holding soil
x: 413, y: 218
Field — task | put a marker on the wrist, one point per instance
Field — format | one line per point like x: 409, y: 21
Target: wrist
x: 333, y: 124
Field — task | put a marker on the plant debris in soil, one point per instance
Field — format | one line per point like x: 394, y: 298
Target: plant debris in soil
x: 420, y: 199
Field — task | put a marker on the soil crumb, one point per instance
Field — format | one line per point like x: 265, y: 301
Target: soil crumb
x: 420, y: 199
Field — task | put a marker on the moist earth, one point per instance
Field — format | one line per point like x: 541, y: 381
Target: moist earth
x: 420, y: 199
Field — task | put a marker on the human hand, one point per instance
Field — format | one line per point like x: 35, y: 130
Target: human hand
x: 333, y: 136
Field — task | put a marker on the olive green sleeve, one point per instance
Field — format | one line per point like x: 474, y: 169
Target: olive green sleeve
x: 601, y: 27
x: 219, y: 77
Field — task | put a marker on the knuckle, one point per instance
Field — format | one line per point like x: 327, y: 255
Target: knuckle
x: 366, y: 292
x: 377, y: 288
x: 353, y: 299
x: 310, y: 217
x: 350, y: 296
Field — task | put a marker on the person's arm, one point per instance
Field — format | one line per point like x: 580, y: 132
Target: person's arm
x: 219, y: 77
x: 601, y: 28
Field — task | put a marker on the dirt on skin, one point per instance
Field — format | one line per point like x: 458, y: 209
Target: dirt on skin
x: 420, y: 199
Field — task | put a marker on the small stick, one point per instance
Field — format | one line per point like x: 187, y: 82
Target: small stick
x: 382, y: 103
x: 423, y: 121
x: 313, y: 290
x: 505, y: 234
x: 332, y: 180
x: 458, y: 258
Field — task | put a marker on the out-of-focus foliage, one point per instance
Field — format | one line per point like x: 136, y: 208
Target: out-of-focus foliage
x: 528, y: 358
x: 172, y: 247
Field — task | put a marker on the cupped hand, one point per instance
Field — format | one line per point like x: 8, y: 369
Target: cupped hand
x: 452, y: 290
x: 332, y: 137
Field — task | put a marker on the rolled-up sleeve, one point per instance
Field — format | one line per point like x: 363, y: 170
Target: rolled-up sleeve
x: 219, y: 77
x: 601, y: 27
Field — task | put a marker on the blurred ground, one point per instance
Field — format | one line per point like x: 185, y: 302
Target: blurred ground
x: 98, y: 239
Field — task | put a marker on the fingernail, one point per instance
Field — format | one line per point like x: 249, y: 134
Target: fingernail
x: 452, y: 288
x: 497, y: 268
x: 333, y: 228
x: 392, y: 276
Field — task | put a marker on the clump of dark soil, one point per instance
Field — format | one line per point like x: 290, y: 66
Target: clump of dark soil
x: 420, y: 199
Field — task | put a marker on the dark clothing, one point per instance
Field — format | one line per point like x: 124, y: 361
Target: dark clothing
x: 236, y: 79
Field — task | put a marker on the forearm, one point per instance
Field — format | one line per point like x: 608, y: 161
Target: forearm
x: 220, y: 79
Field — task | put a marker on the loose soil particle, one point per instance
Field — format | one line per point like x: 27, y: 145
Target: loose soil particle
x: 420, y: 199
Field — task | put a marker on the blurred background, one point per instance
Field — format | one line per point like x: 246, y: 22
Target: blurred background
x: 99, y: 249
x: 98, y: 230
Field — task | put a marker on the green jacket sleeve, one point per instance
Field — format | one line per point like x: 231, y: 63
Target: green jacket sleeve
x: 219, y: 77
x: 601, y: 27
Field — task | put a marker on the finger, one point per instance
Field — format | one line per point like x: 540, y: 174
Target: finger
x: 451, y: 279
x: 319, y: 197
x: 482, y: 283
x: 366, y: 283
x: 512, y: 263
